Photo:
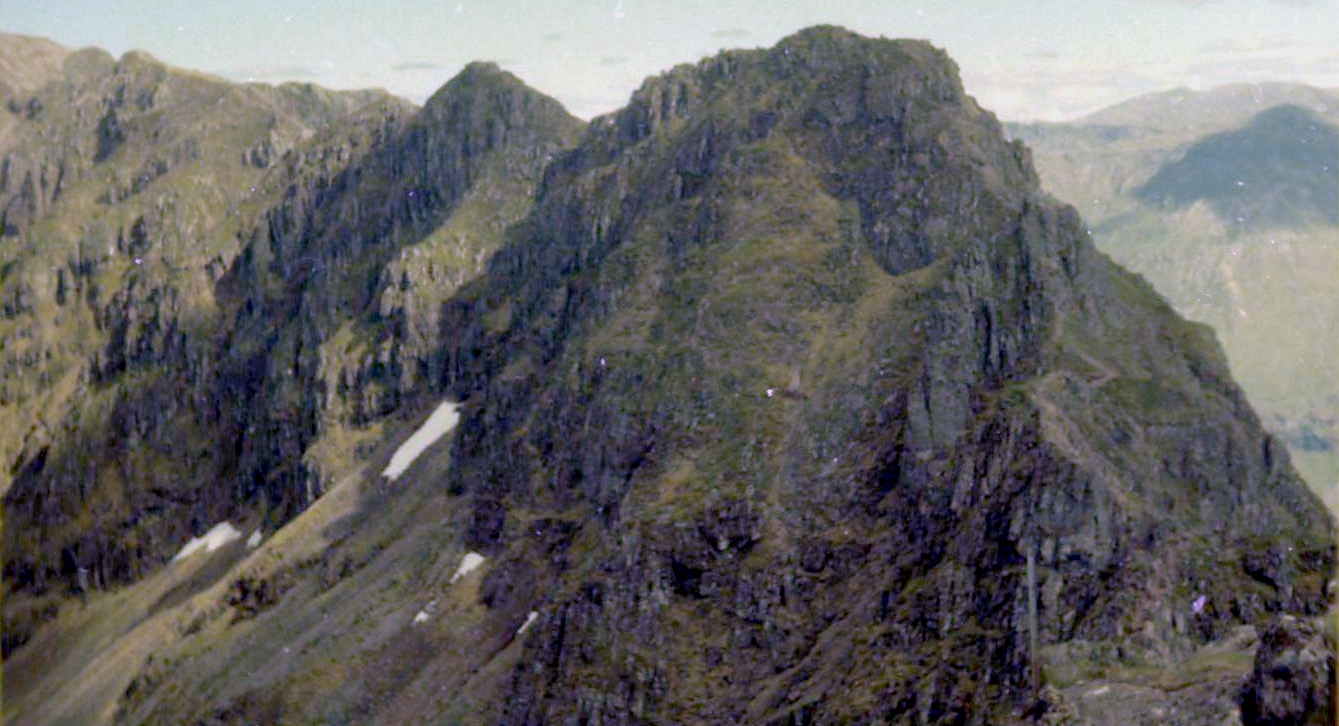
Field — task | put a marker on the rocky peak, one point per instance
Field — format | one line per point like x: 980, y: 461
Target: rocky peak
x: 482, y: 89
x: 87, y: 61
x: 801, y: 313
x: 876, y: 115
x: 485, y: 109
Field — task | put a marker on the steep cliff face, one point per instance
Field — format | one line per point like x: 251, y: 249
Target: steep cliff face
x: 123, y: 185
x: 120, y: 184
x: 350, y: 277
x: 245, y: 301
x: 1224, y: 200
x: 773, y: 386
x: 810, y: 365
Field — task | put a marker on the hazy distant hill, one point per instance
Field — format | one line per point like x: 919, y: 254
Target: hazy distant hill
x: 1280, y: 170
x: 1199, y: 112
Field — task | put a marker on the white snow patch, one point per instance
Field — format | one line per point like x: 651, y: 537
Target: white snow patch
x: 420, y: 617
x: 468, y: 564
x: 438, y: 424
x: 254, y: 540
x: 221, y: 534
x: 529, y: 620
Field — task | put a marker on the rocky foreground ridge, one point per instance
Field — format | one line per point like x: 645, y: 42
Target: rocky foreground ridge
x: 1225, y: 201
x: 773, y: 383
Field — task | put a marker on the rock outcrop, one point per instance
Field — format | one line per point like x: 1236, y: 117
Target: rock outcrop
x: 1292, y: 681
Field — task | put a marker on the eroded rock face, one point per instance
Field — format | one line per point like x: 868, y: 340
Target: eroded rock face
x: 121, y: 196
x: 818, y: 364
x: 1293, y: 678
x: 232, y: 278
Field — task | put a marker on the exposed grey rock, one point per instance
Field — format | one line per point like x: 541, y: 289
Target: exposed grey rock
x: 1293, y: 678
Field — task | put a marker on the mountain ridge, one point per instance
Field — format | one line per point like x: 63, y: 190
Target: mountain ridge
x: 244, y: 274
x: 1254, y: 262
x: 728, y: 519
x: 1212, y: 108
x: 774, y: 386
x: 28, y: 62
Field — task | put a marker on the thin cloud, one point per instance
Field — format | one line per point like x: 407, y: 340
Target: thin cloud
x: 1245, y: 68
x: 1328, y: 63
x: 1320, y: 68
x: 730, y: 33
x: 1203, y: 3
x: 271, y: 73
x: 417, y: 66
x: 551, y: 37
x: 616, y: 60
x: 1244, y: 45
x: 1057, y: 91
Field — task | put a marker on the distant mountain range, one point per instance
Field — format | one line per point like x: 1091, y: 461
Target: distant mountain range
x: 1203, y: 112
x: 782, y: 395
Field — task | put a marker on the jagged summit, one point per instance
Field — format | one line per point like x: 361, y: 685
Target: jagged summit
x: 474, y: 77
x: 485, y: 92
x: 478, y: 70
x: 795, y: 338
x: 858, y: 75
x: 851, y: 98
x: 137, y: 56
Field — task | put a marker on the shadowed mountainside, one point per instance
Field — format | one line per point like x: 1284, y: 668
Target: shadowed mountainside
x: 1279, y: 169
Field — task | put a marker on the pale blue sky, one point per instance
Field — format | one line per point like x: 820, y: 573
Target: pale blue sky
x: 1039, y: 59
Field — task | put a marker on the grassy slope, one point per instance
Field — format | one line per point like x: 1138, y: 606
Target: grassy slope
x: 334, y: 638
x: 27, y: 63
